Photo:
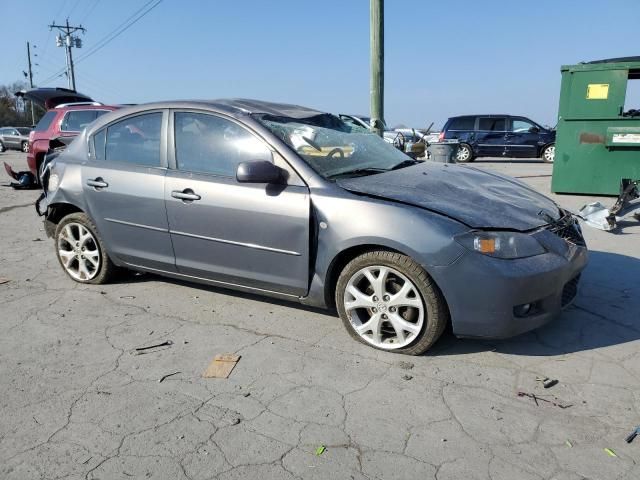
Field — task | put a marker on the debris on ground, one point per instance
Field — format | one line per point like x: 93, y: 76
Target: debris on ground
x: 627, y: 204
x: 320, y: 450
x: 162, y: 379
x: 128, y: 297
x: 547, y: 382
x: 610, y: 452
x: 569, y: 444
x: 25, y: 180
x: 221, y: 366
x: 407, y: 377
x: 535, y: 398
x: 4, y: 280
x: 633, y: 435
x: 143, y: 350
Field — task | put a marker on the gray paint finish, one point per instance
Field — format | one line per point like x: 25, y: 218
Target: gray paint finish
x: 285, y: 240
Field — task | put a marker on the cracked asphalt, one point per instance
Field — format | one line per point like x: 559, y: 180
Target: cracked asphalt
x: 77, y: 403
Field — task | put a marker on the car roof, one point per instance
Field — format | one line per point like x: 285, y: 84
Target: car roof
x: 486, y: 115
x: 236, y: 106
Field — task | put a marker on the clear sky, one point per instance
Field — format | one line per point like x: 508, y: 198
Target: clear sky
x: 442, y: 57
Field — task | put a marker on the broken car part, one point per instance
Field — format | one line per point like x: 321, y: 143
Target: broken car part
x: 626, y: 205
x: 633, y: 435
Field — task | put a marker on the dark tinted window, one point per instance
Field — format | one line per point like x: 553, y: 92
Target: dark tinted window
x: 491, y: 124
x: 45, y: 121
x: 211, y: 144
x: 98, y: 143
x: 76, y: 120
x: 462, y: 123
x: 135, y: 140
x: 24, y: 131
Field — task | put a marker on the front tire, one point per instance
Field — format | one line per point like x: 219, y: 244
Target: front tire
x: 25, y: 147
x: 548, y: 153
x: 388, y: 301
x: 2, y: 147
x: 464, y: 153
x: 80, y: 250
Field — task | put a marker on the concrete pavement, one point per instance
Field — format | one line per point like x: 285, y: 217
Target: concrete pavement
x: 78, y: 403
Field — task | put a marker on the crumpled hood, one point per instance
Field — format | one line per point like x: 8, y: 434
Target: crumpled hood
x: 474, y: 197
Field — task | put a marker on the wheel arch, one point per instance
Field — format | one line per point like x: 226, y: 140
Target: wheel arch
x: 548, y: 144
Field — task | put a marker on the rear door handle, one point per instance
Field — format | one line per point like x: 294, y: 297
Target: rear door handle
x: 97, y: 183
x: 186, y: 195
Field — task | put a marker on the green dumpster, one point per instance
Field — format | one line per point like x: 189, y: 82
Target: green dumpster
x: 598, y: 136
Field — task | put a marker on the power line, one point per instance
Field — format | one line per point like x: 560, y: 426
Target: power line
x: 120, y: 29
x: 90, y: 10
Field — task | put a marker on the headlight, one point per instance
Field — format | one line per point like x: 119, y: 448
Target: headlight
x: 54, y: 182
x: 501, y: 244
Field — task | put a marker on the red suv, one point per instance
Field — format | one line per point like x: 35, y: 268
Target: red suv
x: 68, y: 113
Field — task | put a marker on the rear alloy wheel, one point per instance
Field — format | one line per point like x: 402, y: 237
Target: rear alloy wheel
x: 464, y: 153
x: 388, y: 301
x: 25, y: 147
x: 548, y: 153
x: 80, y: 252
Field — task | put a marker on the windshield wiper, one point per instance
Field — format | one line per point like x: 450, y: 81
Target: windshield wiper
x: 405, y: 163
x: 358, y: 171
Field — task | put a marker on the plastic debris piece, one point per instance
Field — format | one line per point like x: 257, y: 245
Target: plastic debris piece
x: 407, y: 377
x: 610, y: 452
x: 162, y: 379
x: 569, y: 444
x: 320, y: 450
x: 142, y: 350
x: 549, y: 382
x: 633, y: 435
x: 4, y: 280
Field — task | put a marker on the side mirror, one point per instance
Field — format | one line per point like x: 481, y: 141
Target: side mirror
x: 260, y: 171
x: 534, y: 130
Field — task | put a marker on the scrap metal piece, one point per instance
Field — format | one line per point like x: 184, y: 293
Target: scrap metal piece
x: 628, y: 203
x: 25, y: 180
x: 633, y: 435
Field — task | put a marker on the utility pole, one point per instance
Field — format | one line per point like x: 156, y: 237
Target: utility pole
x: 68, y: 40
x: 377, y: 66
x: 30, y: 81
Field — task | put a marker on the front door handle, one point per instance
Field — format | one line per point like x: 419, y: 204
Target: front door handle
x: 185, y: 195
x: 97, y: 183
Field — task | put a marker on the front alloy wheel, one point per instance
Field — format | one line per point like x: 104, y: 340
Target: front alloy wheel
x: 388, y: 301
x: 25, y: 147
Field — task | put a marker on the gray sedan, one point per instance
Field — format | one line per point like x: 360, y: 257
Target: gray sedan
x: 14, y: 138
x: 294, y: 203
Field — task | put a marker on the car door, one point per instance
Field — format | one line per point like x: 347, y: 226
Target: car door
x: 253, y: 235
x: 123, y: 185
x: 522, y: 138
x: 490, y: 136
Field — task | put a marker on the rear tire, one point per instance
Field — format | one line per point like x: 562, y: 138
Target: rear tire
x: 548, y: 153
x: 464, y: 153
x: 395, y: 297
x: 2, y: 148
x: 81, y: 252
x: 25, y: 147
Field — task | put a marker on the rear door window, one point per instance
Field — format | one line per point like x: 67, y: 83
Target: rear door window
x: 133, y: 140
x: 76, y: 120
x: 45, y: 121
x: 462, y: 123
x: 492, y: 124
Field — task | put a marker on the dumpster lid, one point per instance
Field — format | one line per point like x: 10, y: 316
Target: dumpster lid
x: 613, y: 60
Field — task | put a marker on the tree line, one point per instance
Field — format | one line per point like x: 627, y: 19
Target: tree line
x: 15, y: 112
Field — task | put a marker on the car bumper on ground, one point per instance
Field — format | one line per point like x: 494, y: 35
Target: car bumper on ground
x: 495, y: 298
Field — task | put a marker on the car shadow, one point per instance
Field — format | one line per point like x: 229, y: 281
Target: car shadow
x: 604, y: 314
x: 507, y: 160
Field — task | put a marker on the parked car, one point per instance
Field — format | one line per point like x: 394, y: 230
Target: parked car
x: 294, y: 203
x: 14, y: 138
x: 402, y: 140
x: 499, y: 136
x: 68, y: 113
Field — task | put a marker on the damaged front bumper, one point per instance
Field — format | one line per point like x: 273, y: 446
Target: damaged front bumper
x: 495, y: 298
